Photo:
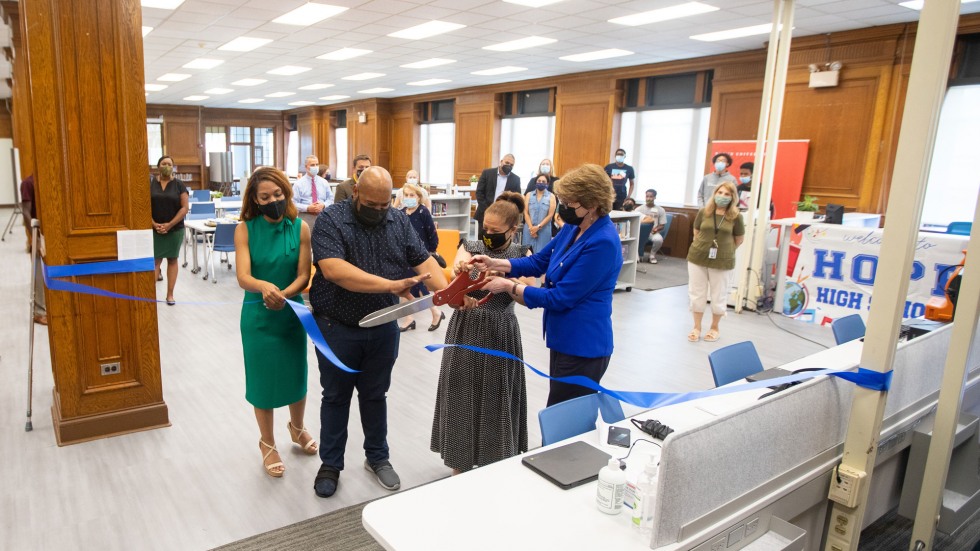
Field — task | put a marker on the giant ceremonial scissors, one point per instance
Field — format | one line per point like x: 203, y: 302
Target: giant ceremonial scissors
x: 452, y: 295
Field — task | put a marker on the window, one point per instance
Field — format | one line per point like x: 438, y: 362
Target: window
x: 215, y: 141
x: 666, y: 148
x: 529, y: 139
x: 264, y: 148
x: 952, y: 192
x: 438, y: 153
x: 529, y: 103
x: 154, y: 140
x: 339, y: 123
x: 241, y: 151
x: 669, y: 91
x: 292, y: 153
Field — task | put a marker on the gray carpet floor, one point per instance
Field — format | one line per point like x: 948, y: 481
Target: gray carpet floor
x: 340, y: 530
x: 667, y: 272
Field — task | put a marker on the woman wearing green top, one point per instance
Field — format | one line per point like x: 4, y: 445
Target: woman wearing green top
x: 718, y: 231
x: 272, y: 251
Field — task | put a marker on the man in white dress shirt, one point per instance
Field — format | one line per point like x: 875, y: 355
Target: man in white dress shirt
x: 311, y: 193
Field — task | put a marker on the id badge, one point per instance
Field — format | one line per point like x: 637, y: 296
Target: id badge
x: 713, y: 253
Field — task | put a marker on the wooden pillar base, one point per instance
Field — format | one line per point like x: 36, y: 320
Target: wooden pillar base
x: 104, y: 425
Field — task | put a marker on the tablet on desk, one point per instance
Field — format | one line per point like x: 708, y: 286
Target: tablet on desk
x: 570, y: 465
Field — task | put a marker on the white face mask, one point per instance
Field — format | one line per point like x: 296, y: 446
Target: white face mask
x: 545, y: 169
x: 313, y: 169
x: 620, y: 158
x: 413, y: 181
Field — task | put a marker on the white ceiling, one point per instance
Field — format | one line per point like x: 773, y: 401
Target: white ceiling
x: 198, y: 27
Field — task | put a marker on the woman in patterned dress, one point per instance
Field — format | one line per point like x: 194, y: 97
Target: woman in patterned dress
x: 481, y: 403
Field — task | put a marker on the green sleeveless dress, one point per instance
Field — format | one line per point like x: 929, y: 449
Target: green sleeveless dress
x: 274, y: 342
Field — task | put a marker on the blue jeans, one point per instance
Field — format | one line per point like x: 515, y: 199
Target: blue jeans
x: 372, y: 352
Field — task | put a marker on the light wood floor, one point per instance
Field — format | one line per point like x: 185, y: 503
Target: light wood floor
x: 199, y: 484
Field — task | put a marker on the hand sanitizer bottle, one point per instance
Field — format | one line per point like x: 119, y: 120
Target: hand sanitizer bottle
x: 612, y: 486
x: 646, y: 492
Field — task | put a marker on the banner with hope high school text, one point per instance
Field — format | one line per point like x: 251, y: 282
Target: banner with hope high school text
x: 832, y: 269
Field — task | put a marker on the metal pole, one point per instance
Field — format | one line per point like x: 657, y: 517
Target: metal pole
x: 35, y: 224
x: 770, y: 118
x: 927, y: 86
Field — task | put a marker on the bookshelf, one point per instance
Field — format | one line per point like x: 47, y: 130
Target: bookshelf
x: 628, y: 227
x: 452, y: 212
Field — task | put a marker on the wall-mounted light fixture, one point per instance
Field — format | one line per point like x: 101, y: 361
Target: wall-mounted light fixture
x: 362, y: 117
x: 825, y: 75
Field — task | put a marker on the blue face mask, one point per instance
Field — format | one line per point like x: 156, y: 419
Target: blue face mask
x: 722, y: 201
x: 745, y: 179
x: 541, y: 186
x: 410, y: 202
x: 720, y: 165
x: 620, y: 158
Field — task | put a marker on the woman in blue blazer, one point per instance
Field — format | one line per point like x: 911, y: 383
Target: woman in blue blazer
x: 580, y: 266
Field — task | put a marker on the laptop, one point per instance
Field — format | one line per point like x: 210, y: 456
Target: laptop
x: 570, y: 465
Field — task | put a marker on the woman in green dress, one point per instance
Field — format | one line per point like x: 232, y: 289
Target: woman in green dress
x: 272, y: 253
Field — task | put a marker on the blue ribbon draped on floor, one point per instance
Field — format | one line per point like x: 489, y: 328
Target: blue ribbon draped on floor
x: 863, y: 377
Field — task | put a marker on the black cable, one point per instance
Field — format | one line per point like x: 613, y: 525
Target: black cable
x: 634, y: 443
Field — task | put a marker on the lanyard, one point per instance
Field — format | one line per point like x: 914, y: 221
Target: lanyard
x: 714, y: 219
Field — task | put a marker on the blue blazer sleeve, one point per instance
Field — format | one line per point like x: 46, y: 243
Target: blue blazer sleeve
x: 583, y: 277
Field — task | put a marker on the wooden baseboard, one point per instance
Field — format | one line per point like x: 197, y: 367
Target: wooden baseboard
x: 104, y: 425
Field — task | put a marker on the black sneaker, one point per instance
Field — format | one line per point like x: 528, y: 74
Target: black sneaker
x: 386, y: 474
x: 325, y: 484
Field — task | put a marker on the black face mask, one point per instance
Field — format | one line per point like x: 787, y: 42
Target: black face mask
x: 368, y: 216
x: 273, y: 210
x: 495, y: 240
x: 506, y: 168
x: 628, y: 207
x: 568, y: 215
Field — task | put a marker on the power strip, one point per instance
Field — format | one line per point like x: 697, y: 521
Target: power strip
x: 845, y: 485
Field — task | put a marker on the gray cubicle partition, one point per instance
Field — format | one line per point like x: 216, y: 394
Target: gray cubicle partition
x: 730, y: 480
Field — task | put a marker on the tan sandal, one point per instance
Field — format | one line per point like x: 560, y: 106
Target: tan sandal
x: 694, y: 335
x: 711, y: 336
x: 276, y: 469
x: 310, y: 447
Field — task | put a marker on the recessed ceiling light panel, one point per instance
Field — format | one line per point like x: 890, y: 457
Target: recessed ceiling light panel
x: 429, y: 82
x: 318, y: 86
x: 598, y: 54
x: 161, y: 4
x: 196, y: 98
x: 425, y: 30
x: 334, y: 97
x: 499, y: 71
x: 343, y: 53
x: 251, y: 100
x: 219, y: 91
x: 173, y: 77
x: 250, y: 82
x: 664, y: 14
x: 520, y: 44
x: 740, y: 32
x: 244, y: 44
x: 364, y: 76
x: 203, y: 63
x: 375, y: 90
x: 427, y: 63
x: 289, y: 70
x: 309, y: 14
x: 280, y: 94
x: 302, y: 103
x: 155, y: 87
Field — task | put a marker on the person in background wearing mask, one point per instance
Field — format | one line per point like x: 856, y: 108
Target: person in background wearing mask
x: 745, y: 188
x: 412, y: 177
x: 346, y: 188
x: 629, y: 205
x: 169, y: 204
x: 492, y: 183
x: 311, y: 193
x: 621, y: 174
x: 718, y: 231
x: 481, y: 401
x: 711, y: 180
x: 582, y: 263
x: 272, y: 260
x: 425, y: 227
x: 541, y: 205
x: 547, y: 169
x: 655, y: 217
x: 362, y: 249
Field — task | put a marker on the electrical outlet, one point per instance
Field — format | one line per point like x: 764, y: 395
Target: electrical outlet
x: 719, y: 544
x: 847, y: 489
x: 110, y: 369
x: 736, y: 535
x: 843, y: 525
x: 836, y: 544
x: 751, y: 526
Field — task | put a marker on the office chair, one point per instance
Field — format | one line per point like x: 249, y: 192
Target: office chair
x: 200, y: 196
x: 200, y: 211
x: 959, y: 228
x: 848, y: 328
x: 448, y: 245
x: 734, y: 362
x: 223, y: 241
x: 576, y: 416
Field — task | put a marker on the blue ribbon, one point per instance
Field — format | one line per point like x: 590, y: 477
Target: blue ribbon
x: 148, y: 264
x: 863, y: 377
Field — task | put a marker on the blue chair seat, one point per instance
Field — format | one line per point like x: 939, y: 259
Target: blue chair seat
x: 848, y: 328
x: 577, y: 416
x: 734, y: 362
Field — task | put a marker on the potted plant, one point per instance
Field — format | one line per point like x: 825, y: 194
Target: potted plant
x: 807, y: 207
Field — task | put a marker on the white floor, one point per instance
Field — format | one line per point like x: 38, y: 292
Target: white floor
x: 199, y: 483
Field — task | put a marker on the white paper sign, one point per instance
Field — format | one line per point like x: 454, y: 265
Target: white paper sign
x: 131, y: 244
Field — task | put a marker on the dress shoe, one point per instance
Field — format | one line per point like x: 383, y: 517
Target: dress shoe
x: 408, y: 327
x: 325, y: 484
x: 434, y: 326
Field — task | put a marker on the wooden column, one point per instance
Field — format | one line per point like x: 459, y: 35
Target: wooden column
x: 405, y: 135
x: 477, y: 134
x: 586, y: 122
x: 373, y: 136
x: 85, y: 69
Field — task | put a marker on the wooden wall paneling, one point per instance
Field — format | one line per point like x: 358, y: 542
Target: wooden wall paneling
x: 477, y: 135
x: 405, y: 134
x: 6, y: 125
x: 84, y: 118
x: 23, y: 136
x: 586, y: 122
x: 372, y: 137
